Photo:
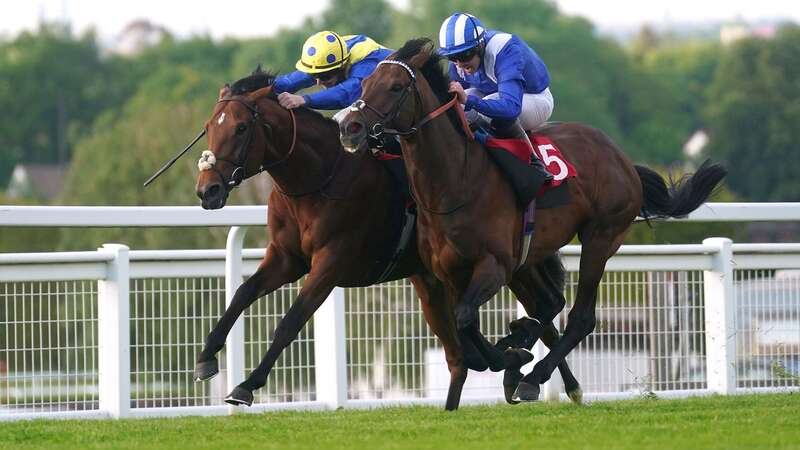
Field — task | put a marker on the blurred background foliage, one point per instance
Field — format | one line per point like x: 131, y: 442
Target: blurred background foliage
x: 111, y: 118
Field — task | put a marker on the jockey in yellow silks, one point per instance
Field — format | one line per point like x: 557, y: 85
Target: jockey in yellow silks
x: 338, y: 63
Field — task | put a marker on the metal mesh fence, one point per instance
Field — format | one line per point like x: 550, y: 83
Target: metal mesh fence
x: 292, y: 378
x: 767, y: 328
x: 170, y: 318
x: 48, y: 346
x: 649, y: 336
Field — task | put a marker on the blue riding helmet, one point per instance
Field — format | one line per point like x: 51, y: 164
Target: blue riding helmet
x: 458, y: 33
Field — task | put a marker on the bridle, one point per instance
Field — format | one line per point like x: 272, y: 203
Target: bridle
x: 379, y: 128
x: 240, y: 165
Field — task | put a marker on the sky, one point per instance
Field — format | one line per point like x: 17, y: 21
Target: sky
x: 240, y: 18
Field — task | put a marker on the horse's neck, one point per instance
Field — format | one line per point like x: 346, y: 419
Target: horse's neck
x: 443, y: 165
x: 310, y: 163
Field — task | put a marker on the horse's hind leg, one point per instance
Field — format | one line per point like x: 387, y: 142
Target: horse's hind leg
x: 540, y: 290
x: 316, y: 288
x: 598, y: 244
x: 273, y: 272
x: 571, y: 386
x: 439, y: 315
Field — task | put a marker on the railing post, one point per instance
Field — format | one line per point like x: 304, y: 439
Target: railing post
x: 550, y: 390
x: 720, y: 326
x: 234, y: 344
x: 113, y: 332
x: 330, y: 360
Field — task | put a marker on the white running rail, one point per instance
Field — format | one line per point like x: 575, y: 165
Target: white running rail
x: 114, y: 332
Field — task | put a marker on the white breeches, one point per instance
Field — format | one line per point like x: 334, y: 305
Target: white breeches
x: 536, y: 108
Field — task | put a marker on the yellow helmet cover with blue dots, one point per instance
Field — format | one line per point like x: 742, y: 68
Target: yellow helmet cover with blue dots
x: 322, y: 52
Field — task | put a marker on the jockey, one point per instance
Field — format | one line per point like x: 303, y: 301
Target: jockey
x: 506, y: 82
x: 338, y: 63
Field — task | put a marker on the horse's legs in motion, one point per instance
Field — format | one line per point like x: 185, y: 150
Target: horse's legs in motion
x: 598, y: 244
x: 439, y: 315
x: 488, y: 278
x: 274, y: 271
x: 540, y: 290
x: 316, y: 288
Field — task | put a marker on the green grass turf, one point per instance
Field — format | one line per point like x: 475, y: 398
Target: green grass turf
x: 738, y: 422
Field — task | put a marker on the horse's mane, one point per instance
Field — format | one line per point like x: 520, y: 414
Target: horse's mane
x: 261, y: 79
x: 253, y: 82
x: 437, y: 78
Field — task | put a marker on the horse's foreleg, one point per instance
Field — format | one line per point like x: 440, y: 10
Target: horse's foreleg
x: 316, y: 288
x: 274, y: 271
x: 439, y: 315
x: 487, y: 279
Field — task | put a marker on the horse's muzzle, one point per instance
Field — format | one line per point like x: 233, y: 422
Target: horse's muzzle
x: 352, y: 132
x: 213, y: 196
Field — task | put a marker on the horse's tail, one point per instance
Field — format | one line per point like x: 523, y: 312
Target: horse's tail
x: 680, y: 197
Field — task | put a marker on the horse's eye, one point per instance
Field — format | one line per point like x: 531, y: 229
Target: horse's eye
x: 241, y: 128
x: 396, y: 87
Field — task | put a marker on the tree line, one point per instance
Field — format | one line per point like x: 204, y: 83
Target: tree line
x: 115, y: 119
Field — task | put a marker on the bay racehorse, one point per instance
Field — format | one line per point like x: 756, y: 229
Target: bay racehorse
x: 469, y: 223
x: 328, y: 216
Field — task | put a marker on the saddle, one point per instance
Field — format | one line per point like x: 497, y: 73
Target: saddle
x: 513, y: 157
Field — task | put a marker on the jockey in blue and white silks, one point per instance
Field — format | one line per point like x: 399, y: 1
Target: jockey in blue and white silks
x: 338, y: 63
x: 502, y: 83
x: 497, y: 76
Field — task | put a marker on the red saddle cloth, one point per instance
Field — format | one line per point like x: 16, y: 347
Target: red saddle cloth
x: 545, y: 149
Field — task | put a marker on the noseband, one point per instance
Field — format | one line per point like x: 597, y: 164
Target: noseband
x: 208, y: 160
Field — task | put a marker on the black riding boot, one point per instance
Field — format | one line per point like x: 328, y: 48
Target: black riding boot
x: 513, y: 130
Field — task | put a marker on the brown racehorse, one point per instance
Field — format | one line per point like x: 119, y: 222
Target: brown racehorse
x: 469, y: 223
x: 327, y: 216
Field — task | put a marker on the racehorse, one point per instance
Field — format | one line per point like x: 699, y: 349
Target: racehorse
x: 469, y: 226
x: 328, y: 216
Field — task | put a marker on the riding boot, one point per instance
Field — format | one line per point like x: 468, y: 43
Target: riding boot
x: 513, y: 130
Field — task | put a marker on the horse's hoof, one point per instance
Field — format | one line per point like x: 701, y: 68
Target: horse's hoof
x: 576, y: 395
x: 239, y: 396
x: 206, y: 370
x: 526, y: 392
x: 511, y: 379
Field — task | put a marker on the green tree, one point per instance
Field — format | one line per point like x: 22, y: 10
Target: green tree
x: 754, y: 116
x: 369, y: 17
x: 124, y: 148
x: 51, y: 84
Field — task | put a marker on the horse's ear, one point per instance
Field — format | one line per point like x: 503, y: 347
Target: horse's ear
x: 263, y: 92
x: 224, y: 91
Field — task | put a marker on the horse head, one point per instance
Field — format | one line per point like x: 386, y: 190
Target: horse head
x: 390, y: 102
x: 244, y: 132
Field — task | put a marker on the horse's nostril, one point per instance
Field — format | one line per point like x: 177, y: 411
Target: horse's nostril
x: 354, y: 128
x: 213, y: 191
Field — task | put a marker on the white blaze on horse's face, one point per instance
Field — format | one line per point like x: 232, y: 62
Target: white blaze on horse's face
x: 221, y: 119
x: 207, y: 160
